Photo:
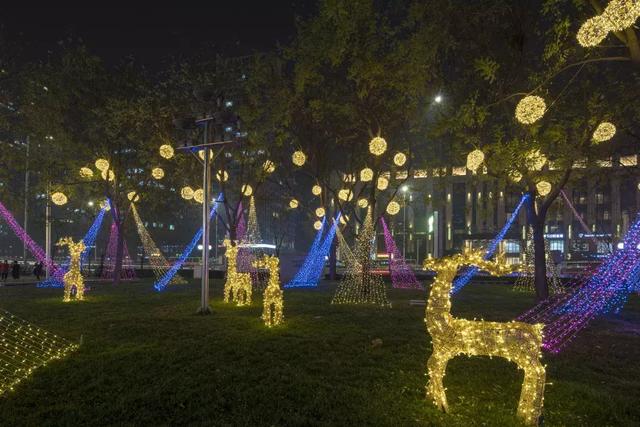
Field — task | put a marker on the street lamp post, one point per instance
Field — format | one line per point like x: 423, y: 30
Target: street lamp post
x: 404, y: 221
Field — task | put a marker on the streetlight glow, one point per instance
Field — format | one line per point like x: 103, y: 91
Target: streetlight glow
x: 438, y: 99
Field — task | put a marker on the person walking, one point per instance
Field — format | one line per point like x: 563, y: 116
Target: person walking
x: 15, y: 270
x: 4, y: 270
x: 37, y: 270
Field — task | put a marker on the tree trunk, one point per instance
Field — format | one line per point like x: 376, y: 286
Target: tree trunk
x: 332, y: 261
x: 117, y: 271
x: 536, y: 221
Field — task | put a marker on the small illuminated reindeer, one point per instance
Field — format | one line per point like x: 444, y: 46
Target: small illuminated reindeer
x: 515, y: 341
x: 238, y: 285
x: 272, y: 299
x: 73, y: 277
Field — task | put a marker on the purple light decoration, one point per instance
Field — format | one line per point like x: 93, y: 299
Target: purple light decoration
x: 89, y: 240
x: 584, y: 225
x: 462, y: 280
x: 401, y: 275
x: 127, y: 271
x: 300, y: 279
x: 604, y: 292
x: 161, y: 283
x: 33, y: 247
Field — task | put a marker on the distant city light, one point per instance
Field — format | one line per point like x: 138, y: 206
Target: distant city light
x: 438, y: 99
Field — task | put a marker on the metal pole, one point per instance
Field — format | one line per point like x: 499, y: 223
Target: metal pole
x: 206, y: 187
x: 404, y: 226
x: 26, y: 201
x: 47, y: 231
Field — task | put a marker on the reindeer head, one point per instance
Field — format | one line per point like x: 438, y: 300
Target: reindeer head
x: 75, y: 248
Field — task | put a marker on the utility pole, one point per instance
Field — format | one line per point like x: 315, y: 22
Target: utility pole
x: 26, y: 201
x: 47, y: 232
x: 206, y: 222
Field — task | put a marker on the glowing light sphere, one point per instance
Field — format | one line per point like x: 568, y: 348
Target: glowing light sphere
x: 102, y: 164
x: 108, y: 175
x: 363, y: 203
x: 366, y: 175
x: 393, y: 208
x: 604, y: 132
x: 399, y: 159
x: 317, y: 225
x: 377, y: 146
x: 247, y: 190
x: 320, y: 212
x: 592, y: 32
x: 530, y: 109
x: 621, y: 14
x: 187, y: 193
x: 166, y: 151
x: 86, y: 172
x: 383, y: 183
x: 316, y: 190
x: 105, y: 205
x: 475, y: 159
x: 345, y: 195
x: 59, y: 198
x: 344, y: 219
x: 543, y: 188
x: 222, y: 176
x: 157, y: 173
x: 293, y: 203
x: 201, y: 154
x: 133, y: 196
x: 535, y: 160
x: 269, y: 166
x: 515, y: 176
x: 298, y: 158
x: 198, y: 195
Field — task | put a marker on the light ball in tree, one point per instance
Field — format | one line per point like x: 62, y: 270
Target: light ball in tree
x: 530, y: 109
x: 133, y: 196
x: 535, y: 160
x: 198, y: 195
x: 399, y: 159
x: 102, y: 164
x: 166, y: 151
x: 393, y: 208
x: 157, y: 173
x: 104, y: 204
x: 59, y: 198
x: 475, y: 159
x: 247, y: 190
x: 187, y: 193
x: 383, y: 183
x: 201, y: 154
x: 515, y: 176
x: 320, y: 212
x: 345, y: 195
x: 316, y: 190
x: 363, y: 203
x: 543, y: 188
x: 298, y: 158
x: 108, y: 175
x: 293, y: 203
x: 366, y: 175
x: 86, y: 172
x: 317, y: 225
x: 592, y: 32
x: 222, y: 176
x: 604, y: 132
x: 377, y: 146
x: 269, y: 166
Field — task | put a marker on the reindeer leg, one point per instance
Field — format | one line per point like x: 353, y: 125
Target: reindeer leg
x: 67, y: 293
x: 437, y: 366
x: 531, y: 396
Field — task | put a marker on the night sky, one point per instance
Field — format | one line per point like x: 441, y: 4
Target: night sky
x: 156, y: 31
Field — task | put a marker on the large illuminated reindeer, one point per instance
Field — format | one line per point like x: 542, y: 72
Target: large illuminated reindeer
x: 515, y: 341
x: 73, y: 277
x: 238, y: 285
x: 272, y: 299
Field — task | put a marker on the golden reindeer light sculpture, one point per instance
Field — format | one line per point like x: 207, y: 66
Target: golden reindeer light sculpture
x: 272, y: 299
x: 238, y: 285
x: 515, y: 341
x: 73, y: 277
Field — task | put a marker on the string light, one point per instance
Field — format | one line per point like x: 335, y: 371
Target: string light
x: 366, y: 175
x: 530, y: 109
x: 535, y: 160
x: 187, y: 193
x: 102, y: 164
x: 247, y: 190
x: 133, y: 196
x: 159, y: 263
x: 345, y: 195
x: 166, y: 151
x: 298, y: 158
x: 383, y: 183
x: 25, y: 348
x: 293, y: 203
x: 253, y: 230
x: 108, y: 175
x: 543, y: 188
x: 377, y: 146
x: 393, y: 208
x: 198, y: 195
x: 157, y: 173
x: 604, y: 132
x: 222, y: 176
x: 320, y: 212
x: 401, y: 275
x: 127, y: 271
x: 399, y: 159
x: 73, y: 277
x: 475, y: 159
x: 363, y: 203
x: 618, y: 15
x: 316, y: 190
x: 359, y: 285
x: 269, y: 166
x: 272, y: 299
x: 85, y: 172
x: 237, y: 287
x: 59, y: 198
x: 317, y: 225
x: 301, y: 279
x: 515, y: 341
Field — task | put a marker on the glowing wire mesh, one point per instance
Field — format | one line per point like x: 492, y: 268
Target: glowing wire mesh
x: 300, y: 279
x: 127, y: 271
x: 401, y: 275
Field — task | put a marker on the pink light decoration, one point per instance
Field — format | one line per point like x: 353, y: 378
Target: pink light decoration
x: 583, y: 224
x: 401, y: 275
x: 604, y: 292
x: 127, y: 271
x: 33, y: 247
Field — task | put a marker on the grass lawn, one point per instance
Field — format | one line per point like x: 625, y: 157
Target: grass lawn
x: 147, y: 359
